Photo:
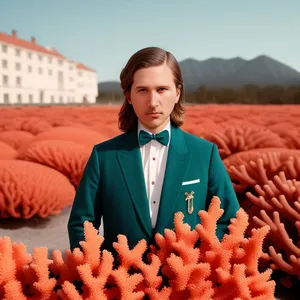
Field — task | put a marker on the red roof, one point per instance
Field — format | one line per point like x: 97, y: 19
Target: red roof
x: 83, y: 67
x: 31, y: 45
x: 16, y: 41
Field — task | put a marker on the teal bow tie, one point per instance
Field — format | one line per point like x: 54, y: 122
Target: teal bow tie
x: 162, y: 137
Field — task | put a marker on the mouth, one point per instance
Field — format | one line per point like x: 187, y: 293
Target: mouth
x: 153, y: 113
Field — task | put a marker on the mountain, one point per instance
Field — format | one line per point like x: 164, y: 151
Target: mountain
x: 210, y: 72
x: 264, y: 70
x: 109, y: 87
x: 231, y: 73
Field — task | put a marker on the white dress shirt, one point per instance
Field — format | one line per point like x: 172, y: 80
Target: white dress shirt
x: 154, y: 159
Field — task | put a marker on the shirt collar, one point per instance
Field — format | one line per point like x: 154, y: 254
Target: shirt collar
x: 167, y: 127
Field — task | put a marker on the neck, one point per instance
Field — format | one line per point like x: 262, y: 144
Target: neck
x: 156, y: 129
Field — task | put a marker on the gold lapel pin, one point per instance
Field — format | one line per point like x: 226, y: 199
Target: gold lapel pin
x: 189, y: 197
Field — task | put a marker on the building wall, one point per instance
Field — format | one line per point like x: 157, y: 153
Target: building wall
x: 33, y: 77
x: 87, y: 86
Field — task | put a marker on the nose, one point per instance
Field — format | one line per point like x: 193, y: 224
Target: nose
x: 152, y: 101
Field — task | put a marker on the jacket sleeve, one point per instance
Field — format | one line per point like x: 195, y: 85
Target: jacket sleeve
x: 86, y: 205
x: 220, y: 185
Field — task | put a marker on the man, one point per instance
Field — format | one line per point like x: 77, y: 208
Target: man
x: 137, y: 183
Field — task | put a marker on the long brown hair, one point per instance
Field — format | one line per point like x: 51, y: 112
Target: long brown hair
x: 145, y: 58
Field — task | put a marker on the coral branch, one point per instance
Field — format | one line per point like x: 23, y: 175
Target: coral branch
x: 180, y: 269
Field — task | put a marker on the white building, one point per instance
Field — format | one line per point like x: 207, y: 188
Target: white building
x: 31, y: 73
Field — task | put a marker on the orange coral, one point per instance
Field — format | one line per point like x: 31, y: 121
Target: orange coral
x: 78, y: 135
x: 235, y: 128
x: 226, y: 269
x: 16, y: 138
x: 291, y: 167
x: 244, y: 157
x: 292, y: 138
x: 6, y: 151
x: 33, y: 125
x: 265, y: 166
x: 110, y: 130
x: 281, y: 195
x: 21, y: 197
x: 67, y: 157
x: 202, y: 128
x: 234, y: 139
x: 275, y: 202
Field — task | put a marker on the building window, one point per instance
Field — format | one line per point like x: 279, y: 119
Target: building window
x: 79, y: 74
x: 60, y: 80
x: 52, y: 99
x: 41, y: 96
x: 29, y: 69
x: 50, y: 60
x: 30, y: 98
x: 61, y: 99
x: 6, y: 98
x: 4, y: 48
x: 50, y: 72
x: 18, y: 81
x: 60, y: 62
x: 5, y: 80
x: 40, y: 57
x: 40, y: 71
x: 29, y: 55
x: 18, y: 66
x: 18, y: 52
x: 19, y: 98
x: 4, y: 64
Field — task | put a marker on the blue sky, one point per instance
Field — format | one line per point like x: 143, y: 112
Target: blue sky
x: 103, y: 34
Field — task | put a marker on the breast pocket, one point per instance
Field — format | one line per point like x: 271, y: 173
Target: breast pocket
x: 191, y: 182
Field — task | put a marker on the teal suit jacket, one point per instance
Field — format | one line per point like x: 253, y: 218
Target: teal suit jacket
x: 113, y: 186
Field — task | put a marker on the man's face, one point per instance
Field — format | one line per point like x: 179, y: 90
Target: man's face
x: 153, y: 96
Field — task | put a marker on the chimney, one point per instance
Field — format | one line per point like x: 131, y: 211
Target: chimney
x: 33, y: 40
x: 14, y: 33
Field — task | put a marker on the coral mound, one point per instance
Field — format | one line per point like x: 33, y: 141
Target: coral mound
x: 21, y: 197
x: 6, y: 151
x: 82, y: 136
x: 16, y: 138
x: 32, y: 124
x: 67, y: 157
x: 234, y: 139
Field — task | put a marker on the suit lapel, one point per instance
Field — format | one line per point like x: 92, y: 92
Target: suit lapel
x: 177, y: 165
x: 130, y: 161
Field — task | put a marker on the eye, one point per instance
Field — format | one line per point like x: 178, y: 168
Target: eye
x: 161, y: 89
x: 141, y: 90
